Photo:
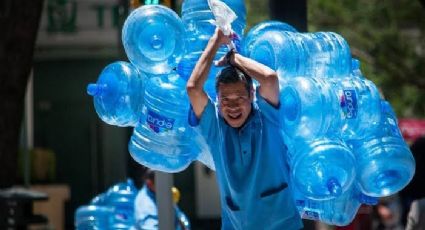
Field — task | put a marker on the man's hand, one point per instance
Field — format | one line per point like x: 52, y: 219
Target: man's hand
x: 220, y: 37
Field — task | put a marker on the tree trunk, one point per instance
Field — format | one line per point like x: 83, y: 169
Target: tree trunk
x: 19, y: 20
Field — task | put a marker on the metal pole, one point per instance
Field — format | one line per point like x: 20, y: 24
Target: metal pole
x: 29, y: 128
x: 166, y: 215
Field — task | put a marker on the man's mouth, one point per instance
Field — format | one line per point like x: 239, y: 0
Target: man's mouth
x: 235, y: 116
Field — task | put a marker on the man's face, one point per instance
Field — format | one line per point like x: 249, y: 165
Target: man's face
x: 235, y: 103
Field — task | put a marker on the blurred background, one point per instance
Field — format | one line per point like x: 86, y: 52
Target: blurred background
x: 51, y: 139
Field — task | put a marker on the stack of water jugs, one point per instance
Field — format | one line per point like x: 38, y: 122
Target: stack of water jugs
x: 345, y: 147
x: 344, y: 144
x: 113, y: 209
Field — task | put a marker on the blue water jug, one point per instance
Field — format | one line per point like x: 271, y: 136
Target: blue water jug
x: 153, y: 37
x: 186, y: 66
x: 205, y: 155
x: 309, y: 107
x: 321, y: 168
x: 339, y: 211
x: 121, y: 196
x: 359, y: 104
x: 293, y: 54
x: 118, y: 94
x: 199, y: 22
x: 199, y: 26
x: 355, y: 68
x: 347, y: 107
x: 341, y: 60
x: 162, y: 139
x: 259, y: 30
x: 280, y: 51
x: 385, y: 164
x: 93, y: 217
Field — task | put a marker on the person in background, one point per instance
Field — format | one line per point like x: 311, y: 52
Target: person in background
x: 415, y: 190
x: 244, y: 137
x: 416, y: 216
x: 388, y: 212
x: 145, y: 208
x: 414, y: 193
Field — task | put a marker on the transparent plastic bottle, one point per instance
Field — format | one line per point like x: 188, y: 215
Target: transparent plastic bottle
x: 340, y: 64
x: 122, y: 196
x: 113, y: 209
x: 339, y: 211
x: 322, y: 168
x: 355, y: 68
x: 347, y: 107
x: 118, y: 94
x: 93, y: 217
x: 186, y: 66
x: 309, y: 108
x: 153, y: 38
x: 359, y: 105
x: 162, y: 139
x: 199, y: 22
x: 280, y: 51
x: 385, y: 164
x: 294, y: 54
x: 259, y: 30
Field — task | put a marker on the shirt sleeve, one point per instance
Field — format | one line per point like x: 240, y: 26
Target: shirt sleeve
x: 207, y: 124
x: 270, y: 112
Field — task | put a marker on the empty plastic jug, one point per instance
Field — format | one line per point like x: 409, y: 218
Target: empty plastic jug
x: 340, y: 63
x: 346, y: 107
x: 259, y: 30
x: 121, y: 196
x: 292, y: 54
x: 153, y: 38
x: 93, y: 217
x: 199, y: 22
x: 186, y: 66
x: 385, y: 164
x: 118, y: 94
x: 339, y: 211
x: 163, y: 140
x: 322, y: 168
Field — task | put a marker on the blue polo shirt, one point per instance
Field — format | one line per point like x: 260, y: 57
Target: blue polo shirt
x: 251, y: 169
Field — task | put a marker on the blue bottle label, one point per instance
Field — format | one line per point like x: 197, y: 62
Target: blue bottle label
x: 159, y: 123
x: 311, y: 215
x: 349, y: 103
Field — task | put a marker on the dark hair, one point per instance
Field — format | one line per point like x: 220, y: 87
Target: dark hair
x: 149, y: 175
x: 232, y: 74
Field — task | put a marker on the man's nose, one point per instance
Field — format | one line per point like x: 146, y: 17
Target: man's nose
x: 233, y: 104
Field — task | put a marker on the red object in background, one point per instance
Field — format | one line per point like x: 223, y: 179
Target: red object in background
x: 362, y: 221
x: 411, y: 129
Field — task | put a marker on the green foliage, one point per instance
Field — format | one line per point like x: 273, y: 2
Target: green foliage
x: 257, y: 11
x: 388, y: 37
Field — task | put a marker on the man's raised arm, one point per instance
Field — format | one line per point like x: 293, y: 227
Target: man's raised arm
x: 195, y: 85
